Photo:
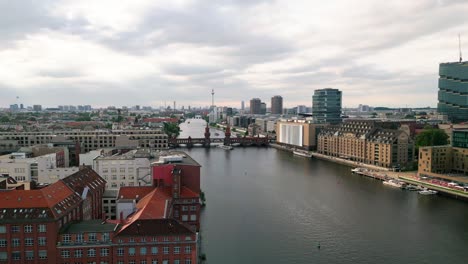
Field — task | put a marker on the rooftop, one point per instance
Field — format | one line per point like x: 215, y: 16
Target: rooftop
x: 97, y: 226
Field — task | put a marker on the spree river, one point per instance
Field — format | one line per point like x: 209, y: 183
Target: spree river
x: 268, y: 206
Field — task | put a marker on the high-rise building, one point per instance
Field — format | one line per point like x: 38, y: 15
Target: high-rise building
x: 37, y: 108
x: 277, y: 105
x: 242, y: 105
x: 263, y: 108
x: 255, y: 106
x: 453, y: 91
x: 326, y: 106
x: 301, y: 109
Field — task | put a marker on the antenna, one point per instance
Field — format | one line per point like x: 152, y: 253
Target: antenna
x: 459, y: 47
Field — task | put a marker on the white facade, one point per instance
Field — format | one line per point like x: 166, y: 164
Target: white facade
x: 87, y: 159
x: 22, y: 170
x: 291, y: 134
x: 120, y: 171
x: 53, y: 175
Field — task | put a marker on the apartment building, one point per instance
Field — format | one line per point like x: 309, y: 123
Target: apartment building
x: 94, y: 139
x: 367, y: 142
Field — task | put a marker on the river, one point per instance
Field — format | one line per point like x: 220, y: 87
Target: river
x: 268, y: 206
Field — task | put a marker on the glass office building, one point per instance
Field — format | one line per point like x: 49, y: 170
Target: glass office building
x: 453, y: 91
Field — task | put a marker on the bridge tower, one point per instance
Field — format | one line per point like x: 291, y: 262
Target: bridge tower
x: 207, y: 136
x: 227, y: 136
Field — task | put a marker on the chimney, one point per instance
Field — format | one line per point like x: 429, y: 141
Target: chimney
x: 121, y: 217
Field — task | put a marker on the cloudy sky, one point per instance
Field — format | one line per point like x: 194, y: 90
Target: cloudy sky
x: 147, y: 52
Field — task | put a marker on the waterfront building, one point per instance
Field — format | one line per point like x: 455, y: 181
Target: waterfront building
x: 453, y: 91
x: 326, y: 106
x: 368, y: 142
x: 297, y: 134
x: 438, y: 161
x: 255, y: 106
x: 91, y: 140
x: 277, y: 105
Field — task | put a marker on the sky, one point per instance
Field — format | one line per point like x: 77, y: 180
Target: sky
x: 152, y: 52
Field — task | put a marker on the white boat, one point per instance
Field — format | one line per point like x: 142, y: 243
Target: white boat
x: 302, y: 154
x: 225, y: 147
x: 393, y: 183
x: 427, y: 192
x: 356, y: 170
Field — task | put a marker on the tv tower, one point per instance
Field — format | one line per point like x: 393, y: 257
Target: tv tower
x: 212, y: 97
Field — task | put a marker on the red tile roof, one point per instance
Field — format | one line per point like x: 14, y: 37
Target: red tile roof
x: 131, y: 192
x: 155, y: 227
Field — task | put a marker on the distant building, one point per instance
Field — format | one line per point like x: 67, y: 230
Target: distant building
x: 326, y: 106
x: 14, y: 107
x: 255, y: 106
x: 277, y: 105
x: 297, y: 134
x: 301, y: 109
x: 435, y: 161
x: 367, y: 142
x: 37, y: 108
x: 263, y: 108
x: 242, y: 105
x: 453, y: 91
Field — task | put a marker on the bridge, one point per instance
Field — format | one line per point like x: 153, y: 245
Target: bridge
x: 227, y: 140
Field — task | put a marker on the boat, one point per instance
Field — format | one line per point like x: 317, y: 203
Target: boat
x: 393, y: 183
x: 225, y: 147
x: 427, y: 192
x: 302, y: 154
x: 356, y: 170
x: 216, y: 134
x: 411, y: 187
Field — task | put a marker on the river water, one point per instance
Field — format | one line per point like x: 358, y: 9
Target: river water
x: 268, y: 206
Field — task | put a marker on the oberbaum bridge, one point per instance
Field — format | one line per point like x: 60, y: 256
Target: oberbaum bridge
x: 227, y: 140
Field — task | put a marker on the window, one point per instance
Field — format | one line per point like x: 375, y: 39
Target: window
x: 132, y: 240
x: 131, y: 261
x: 122, y: 170
x: 42, y: 254
x: 143, y: 251
x: 165, y: 261
x: 104, y: 252
x: 154, y: 250
x: 193, y: 208
x: 66, y: 238
x: 120, y: 251
x: 91, y: 252
x: 105, y: 237
x: 188, y: 261
x: 28, y: 241
x: 184, y: 217
x: 29, y: 255
x: 16, y: 255
x: 188, y: 249
x: 42, y: 241
x: 65, y: 253
x: 184, y: 208
x: 131, y: 251
x: 176, y: 250
x: 15, y: 242
x: 3, y: 243
x: 3, y: 256
x: 154, y: 261
x: 78, y: 253
x: 92, y: 237
x: 165, y: 250
x: 42, y: 228
x: 142, y: 261
x: 15, y: 229
x: 193, y: 217
x: 165, y: 239
x: 3, y: 229
x: 28, y: 228
x: 176, y: 261
x: 79, y: 238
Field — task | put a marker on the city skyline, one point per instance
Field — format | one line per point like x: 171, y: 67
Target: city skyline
x: 148, y: 52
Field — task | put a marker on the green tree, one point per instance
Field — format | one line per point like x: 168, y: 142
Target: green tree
x: 4, y: 119
x: 431, y: 137
x: 171, y: 129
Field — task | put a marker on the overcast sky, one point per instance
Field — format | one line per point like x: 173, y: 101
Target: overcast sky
x: 147, y: 52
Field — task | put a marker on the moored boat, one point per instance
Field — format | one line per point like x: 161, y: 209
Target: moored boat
x: 225, y: 147
x: 393, y: 183
x: 427, y: 192
x: 302, y: 154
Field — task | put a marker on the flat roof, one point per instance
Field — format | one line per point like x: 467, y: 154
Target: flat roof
x: 186, y: 159
x: 98, y: 226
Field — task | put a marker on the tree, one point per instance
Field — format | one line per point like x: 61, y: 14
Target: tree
x: 431, y: 137
x: 171, y: 129
x: 4, y: 119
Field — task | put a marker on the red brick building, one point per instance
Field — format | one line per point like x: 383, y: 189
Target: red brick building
x: 31, y: 219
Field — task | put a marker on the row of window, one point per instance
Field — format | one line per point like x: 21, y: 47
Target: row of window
x: 104, y: 252
x: 16, y: 242
x: 80, y: 238
x: 29, y: 255
x: 27, y: 228
x: 78, y: 253
x: 155, y: 261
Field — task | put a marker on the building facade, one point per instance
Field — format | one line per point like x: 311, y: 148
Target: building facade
x: 453, y: 91
x: 255, y: 106
x: 367, y: 142
x: 277, y: 105
x: 326, y: 106
x: 297, y: 134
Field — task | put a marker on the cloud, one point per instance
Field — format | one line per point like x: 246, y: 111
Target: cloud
x: 149, y: 51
